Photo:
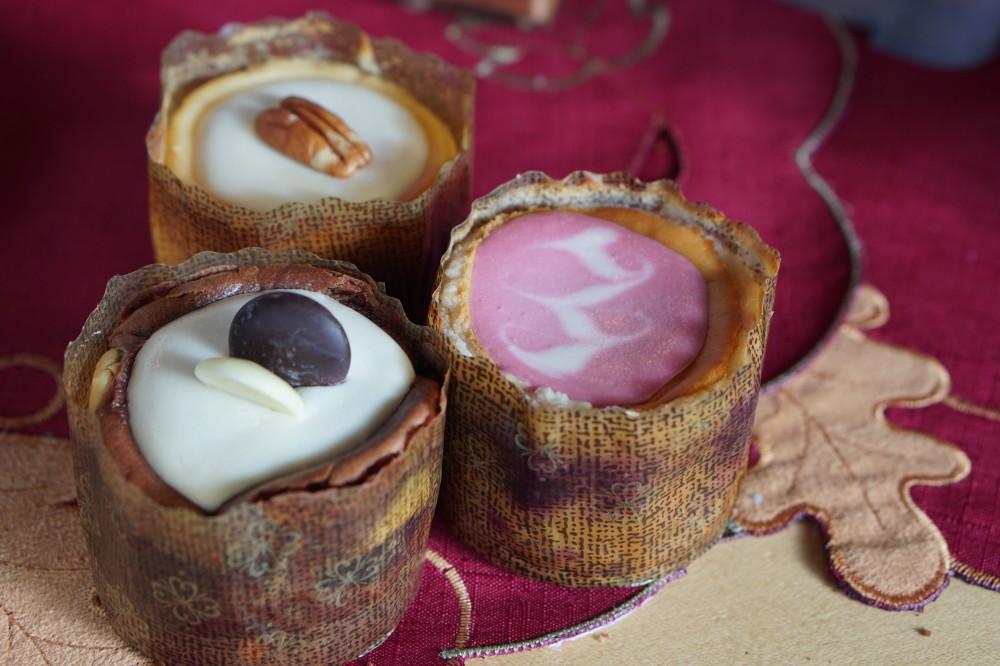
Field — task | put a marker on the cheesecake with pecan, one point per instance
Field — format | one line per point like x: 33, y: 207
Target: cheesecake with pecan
x: 307, y: 133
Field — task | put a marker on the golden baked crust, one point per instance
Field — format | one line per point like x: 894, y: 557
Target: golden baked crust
x: 157, y: 306
x: 183, y: 122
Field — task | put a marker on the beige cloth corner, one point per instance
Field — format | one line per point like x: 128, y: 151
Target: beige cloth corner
x: 46, y: 590
x: 827, y: 450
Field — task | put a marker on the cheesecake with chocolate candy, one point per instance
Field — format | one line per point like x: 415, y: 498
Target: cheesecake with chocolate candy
x: 261, y: 432
x: 606, y: 339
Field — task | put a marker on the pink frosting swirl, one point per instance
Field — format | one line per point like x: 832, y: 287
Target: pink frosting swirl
x: 586, y: 307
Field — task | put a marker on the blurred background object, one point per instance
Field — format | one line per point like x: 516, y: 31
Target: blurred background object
x: 584, y: 39
x: 947, y: 34
x: 950, y: 34
x: 528, y: 11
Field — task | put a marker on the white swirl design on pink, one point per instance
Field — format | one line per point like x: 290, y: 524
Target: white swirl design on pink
x: 585, y: 307
x: 590, y: 247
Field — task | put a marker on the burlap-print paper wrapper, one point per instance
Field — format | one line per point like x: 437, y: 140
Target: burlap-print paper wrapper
x: 583, y: 496
x: 397, y: 242
x: 302, y: 577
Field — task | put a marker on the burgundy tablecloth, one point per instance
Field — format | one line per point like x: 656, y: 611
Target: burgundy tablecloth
x: 740, y: 83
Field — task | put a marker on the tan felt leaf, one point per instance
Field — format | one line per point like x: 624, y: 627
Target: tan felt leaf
x: 827, y: 450
x: 46, y: 595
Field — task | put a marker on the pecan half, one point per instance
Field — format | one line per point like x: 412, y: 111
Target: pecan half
x: 314, y: 136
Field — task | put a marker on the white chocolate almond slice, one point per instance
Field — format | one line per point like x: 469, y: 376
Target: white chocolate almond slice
x: 104, y: 377
x: 250, y: 381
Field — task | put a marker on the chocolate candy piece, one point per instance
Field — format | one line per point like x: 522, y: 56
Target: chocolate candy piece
x: 294, y: 337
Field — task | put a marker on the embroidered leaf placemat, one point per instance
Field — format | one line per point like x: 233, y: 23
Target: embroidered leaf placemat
x: 828, y: 451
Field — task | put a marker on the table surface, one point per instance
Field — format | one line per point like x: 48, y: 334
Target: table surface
x: 770, y: 600
x: 739, y: 85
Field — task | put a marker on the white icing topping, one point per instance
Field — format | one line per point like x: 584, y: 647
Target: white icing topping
x: 210, y: 445
x: 233, y: 163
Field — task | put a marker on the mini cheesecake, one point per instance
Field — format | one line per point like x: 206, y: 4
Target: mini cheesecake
x: 259, y: 451
x: 606, y: 338
x: 308, y: 134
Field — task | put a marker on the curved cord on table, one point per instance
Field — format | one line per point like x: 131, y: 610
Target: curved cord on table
x: 971, y: 408
x: 621, y: 610
x: 803, y: 159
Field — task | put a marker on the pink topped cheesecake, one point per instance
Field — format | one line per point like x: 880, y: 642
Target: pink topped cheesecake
x: 586, y: 307
x: 606, y: 339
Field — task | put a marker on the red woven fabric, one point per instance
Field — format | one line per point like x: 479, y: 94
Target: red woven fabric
x: 739, y: 83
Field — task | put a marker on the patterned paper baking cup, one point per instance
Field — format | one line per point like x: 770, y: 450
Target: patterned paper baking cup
x: 584, y: 496
x: 397, y: 242
x: 307, y: 576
